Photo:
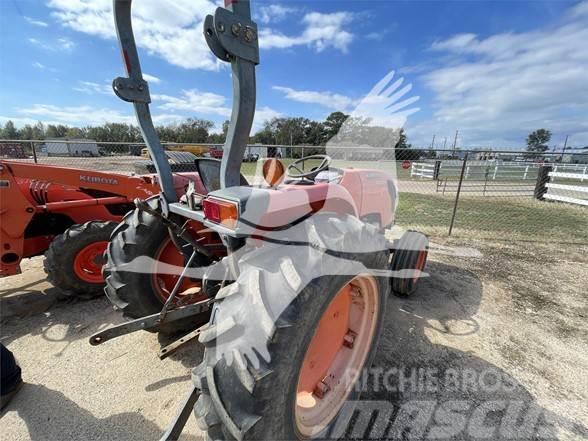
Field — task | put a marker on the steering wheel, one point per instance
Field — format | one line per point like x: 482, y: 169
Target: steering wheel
x: 296, y: 167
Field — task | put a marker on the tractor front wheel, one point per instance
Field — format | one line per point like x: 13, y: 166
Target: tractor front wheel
x: 138, y: 259
x: 73, y: 261
x: 289, y: 340
x: 408, y: 262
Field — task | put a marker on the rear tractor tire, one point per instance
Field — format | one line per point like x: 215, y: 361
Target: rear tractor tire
x: 408, y: 261
x: 141, y: 241
x: 74, y: 259
x: 285, y: 348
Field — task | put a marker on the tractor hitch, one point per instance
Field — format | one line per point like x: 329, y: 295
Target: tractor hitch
x: 153, y: 321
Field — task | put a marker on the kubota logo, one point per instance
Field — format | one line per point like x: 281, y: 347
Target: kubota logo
x: 98, y: 180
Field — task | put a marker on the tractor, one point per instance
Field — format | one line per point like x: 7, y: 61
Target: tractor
x: 291, y: 273
x: 69, y: 214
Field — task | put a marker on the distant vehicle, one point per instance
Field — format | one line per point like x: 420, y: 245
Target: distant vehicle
x: 216, y: 153
x: 197, y: 150
x: 252, y: 153
x: 263, y: 151
x: 14, y: 151
x: 72, y: 147
x: 251, y: 157
x: 135, y: 150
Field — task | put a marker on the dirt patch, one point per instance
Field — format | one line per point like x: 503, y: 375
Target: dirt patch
x: 515, y: 315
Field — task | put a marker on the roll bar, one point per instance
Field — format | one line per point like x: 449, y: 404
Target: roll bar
x: 232, y: 37
x: 134, y: 89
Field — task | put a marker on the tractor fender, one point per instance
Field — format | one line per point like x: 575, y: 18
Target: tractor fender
x: 266, y: 209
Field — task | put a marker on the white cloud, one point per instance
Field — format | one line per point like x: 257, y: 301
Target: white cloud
x: 21, y: 122
x: 91, y: 88
x: 321, y: 31
x: 501, y: 87
x: 171, y: 30
x: 263, y: 114
x: 36, y: 22
x: 329, y: 100
x: 207, y: 103
x: 38, y: 65
x: 152, y: 79
x: 59, y: 45
x: 274, y: 13
x: 81, y: 116
x: 75, y: 115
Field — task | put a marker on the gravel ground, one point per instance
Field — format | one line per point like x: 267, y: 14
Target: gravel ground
x: 518, y: 311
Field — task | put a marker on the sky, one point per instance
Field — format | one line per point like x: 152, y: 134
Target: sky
x: 492, y: 70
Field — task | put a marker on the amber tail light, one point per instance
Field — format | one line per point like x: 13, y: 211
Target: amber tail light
x: 221, y: 212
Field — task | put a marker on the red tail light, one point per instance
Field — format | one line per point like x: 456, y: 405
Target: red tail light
x: 222, y: 212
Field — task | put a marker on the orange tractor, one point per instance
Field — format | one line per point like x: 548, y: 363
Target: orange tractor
x: 69, y: 214
x: 292, y: 272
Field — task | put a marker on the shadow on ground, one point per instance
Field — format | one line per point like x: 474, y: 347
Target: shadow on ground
x: 55, y: 417
x: 418, y: 388
x: 58, y: 318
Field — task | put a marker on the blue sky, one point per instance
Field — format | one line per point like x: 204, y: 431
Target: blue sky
x: 494, y: 70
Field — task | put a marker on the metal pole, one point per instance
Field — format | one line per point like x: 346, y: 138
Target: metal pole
x: 34, y: 151
x: 486, y: 180
x: 564, y: 148
x: 463, y: 167
x: 455, y: 142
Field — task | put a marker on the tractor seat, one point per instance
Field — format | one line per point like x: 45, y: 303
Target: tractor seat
x: 209, y: 172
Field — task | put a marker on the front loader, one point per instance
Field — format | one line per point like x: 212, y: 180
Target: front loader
x: 297, y: 289
x: 69, y: 214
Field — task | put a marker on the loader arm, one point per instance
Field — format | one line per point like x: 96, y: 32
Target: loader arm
x: 129, y: 187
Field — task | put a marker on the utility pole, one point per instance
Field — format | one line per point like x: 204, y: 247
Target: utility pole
x: 455, y: 141
x: 564, y: 148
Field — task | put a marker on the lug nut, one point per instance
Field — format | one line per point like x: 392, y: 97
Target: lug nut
x: 321, y: 390
x: 220, y: 27
x: 349, y: 339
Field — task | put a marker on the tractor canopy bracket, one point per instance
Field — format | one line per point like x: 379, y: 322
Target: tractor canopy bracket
x: 132, y: 90
x: 229, y: 36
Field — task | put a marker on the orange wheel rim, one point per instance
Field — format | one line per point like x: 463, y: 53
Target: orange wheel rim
x: 163, y: 283
x: 420, y: 265
x: 88, y: 262
x: 336, y: 354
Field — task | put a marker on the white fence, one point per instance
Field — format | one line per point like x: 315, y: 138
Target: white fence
x: 492, y: 171
x: 567, y: 192
x: 422, y: 169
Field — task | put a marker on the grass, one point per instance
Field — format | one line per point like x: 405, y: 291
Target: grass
x: 249, y: 168
x: 521, y: 218
x: 501, y: 218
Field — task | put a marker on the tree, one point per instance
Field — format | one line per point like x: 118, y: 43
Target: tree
x: 537, y: 141
x: 9, y: 131
x: 38, y: 131
x: 402, y: 141
x: 26, y: 132
x: 56, y: 131
x: 404, y: 149
x: 333, y: 123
